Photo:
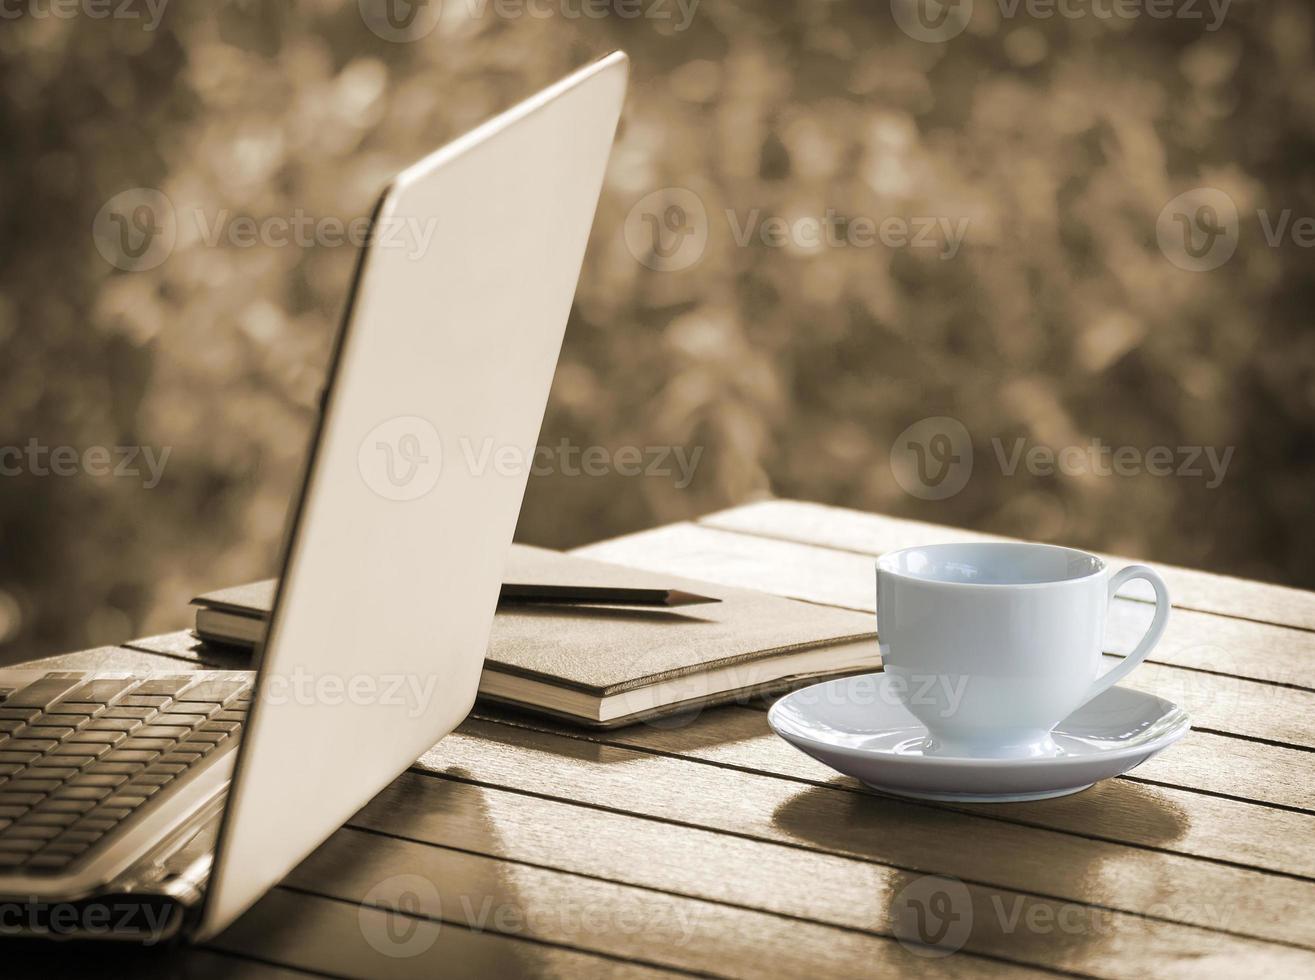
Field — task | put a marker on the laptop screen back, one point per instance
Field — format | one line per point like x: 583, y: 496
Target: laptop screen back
x: 397, y: 545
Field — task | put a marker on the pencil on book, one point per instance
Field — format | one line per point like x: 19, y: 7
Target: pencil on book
x: 514, y: 593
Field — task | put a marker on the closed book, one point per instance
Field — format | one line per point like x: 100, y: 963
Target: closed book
x: 605, y: 665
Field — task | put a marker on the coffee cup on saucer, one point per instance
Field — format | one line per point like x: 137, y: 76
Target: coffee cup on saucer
x: 991, y: 644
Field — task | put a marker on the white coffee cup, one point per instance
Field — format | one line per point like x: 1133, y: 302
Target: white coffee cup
x: 992, y: 644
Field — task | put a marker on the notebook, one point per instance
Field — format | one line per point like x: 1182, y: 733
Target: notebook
x: 605, y: 666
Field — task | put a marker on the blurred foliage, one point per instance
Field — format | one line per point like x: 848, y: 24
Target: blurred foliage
x: 1059, y: 320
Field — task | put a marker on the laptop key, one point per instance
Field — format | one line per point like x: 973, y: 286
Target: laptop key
x: 40, y: 693
x: 34, y: 832
x: 130, y: 755
x: 174, y: 718
x: 48, y: 862
x: 147, y: 744
x: 95, y: 823
x: 30, y: 745
x: 83, y: 793
x: 42, y: 786
x: 102, y: 690
x: 141, y: 701
x: 79, y: 748
x: 105, y: 738
x: 19, y: 758
x: 8, y: 713
x: 22, y: 845
x: 75, y: 708
x: 58, y: 762
x: 52, y: 772
x: 122, y: 710
x: 163, y: 685
x: 103, y: 724
x: 227, y: 727
x: 51, y: 818
x: 203, y: 708
x: 55, y: 732
x: 156, y: 730
x: 73, y: 841
x: 153, y: 779
x: 117, y: 768
x: 75, y: 836
x: 206, y: 736
x: 24, y: 800
x: 64, y: 806
x: 99, y: 779
x: 214, y: 689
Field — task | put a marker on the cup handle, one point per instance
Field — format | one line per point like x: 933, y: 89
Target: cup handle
x: 1153, y: 632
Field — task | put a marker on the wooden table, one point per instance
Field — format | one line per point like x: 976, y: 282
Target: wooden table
x: 522, y: 847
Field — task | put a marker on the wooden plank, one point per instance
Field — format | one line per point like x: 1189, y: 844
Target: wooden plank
x: 1269, y: 654
x: 486, y: 894
x: 1120, y: 810
x: 885, y: 830
x: 837, y: 527
x: 761, y: 875
x: 346, y: 939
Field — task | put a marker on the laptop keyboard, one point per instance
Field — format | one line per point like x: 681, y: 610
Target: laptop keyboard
x: 79, y: 757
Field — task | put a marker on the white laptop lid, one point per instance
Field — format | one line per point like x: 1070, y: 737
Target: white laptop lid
x: 396, y: 550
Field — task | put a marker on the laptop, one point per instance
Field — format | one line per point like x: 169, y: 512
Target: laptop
x: 148, y: 806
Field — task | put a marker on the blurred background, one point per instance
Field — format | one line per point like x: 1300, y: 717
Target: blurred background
x: 1000, y: 252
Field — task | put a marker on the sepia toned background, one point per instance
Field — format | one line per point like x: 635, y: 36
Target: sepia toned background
x: 998, y: 186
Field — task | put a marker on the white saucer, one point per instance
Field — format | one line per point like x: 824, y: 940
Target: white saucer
x: 857, y: 726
